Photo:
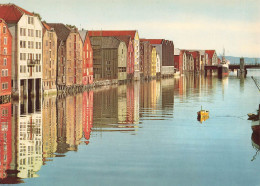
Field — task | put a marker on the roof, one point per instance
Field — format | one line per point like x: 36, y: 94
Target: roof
x: 83, y: 34
x: 47, y: 27
x: 12, y: 13
x: 193, y: 53
x: 210, y: 53
x: 113, y: 33
x: 105, y: 42
x: 124, y: 38
x: 154, y: 41
x: 61, y: 30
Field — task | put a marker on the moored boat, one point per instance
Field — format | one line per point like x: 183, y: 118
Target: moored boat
x: 203, y: 115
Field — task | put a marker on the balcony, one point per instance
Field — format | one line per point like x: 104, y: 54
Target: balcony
x: 33, y: 62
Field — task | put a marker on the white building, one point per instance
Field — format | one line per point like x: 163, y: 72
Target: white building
x: 26, y: 30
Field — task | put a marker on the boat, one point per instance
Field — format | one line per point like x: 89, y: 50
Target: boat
x: 253, y: 117
x: 223, y: 67
x: 203, y: 115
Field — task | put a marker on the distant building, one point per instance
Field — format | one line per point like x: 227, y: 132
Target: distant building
x: 49, y: 57
x: 158, y: 65
x: 212, y: 57
x: 69, y: 50
x: 190, y: 62
x: 87, y: 60
x: 109, y: 60
x: 153, y: 62
x: 6, y: 63
x: 145, y: 59
x: 26, y: 30
x: 130, y: 56
x: 135, y: 39
x: 165, y: 49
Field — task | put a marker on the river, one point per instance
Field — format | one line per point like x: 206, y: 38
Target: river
x: 136, y: 134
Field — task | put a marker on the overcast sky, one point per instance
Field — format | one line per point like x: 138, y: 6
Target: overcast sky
x: 191, y: 24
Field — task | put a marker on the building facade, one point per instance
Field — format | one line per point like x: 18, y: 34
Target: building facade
x: 153, y: 62
x: 5, y: 62
x: 212, y: 57
x: 87, y: 58
x: 136, y: 44
x: 69, y: 51
x: 109, y: 58
x: 165, y: 49
x: 130, y: 56
x: 26, y: 30
x: 49, y: 56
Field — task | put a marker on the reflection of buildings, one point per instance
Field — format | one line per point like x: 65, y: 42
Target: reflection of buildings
x: 130, y: 104
x: 28, y: 118
x: 87, y: 113
x: 136, y: 102
x: 148, y: 94
x: 49, y: 127
x: 69, y: 130
x: 167, y: 94
x: 113, y: 111
x: 5, y: 139
x: 122, y: 103
x: 105, y: 108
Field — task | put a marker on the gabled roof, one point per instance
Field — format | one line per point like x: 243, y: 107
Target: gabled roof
x: 105, y: 42
x: 12, y: 13
x: 210, y: 53
x: 61, y: 30
x: 83, y: 34
x: 113, y: 33
x: 47, y: 27
x: 125, y: 38
x: 193, y: 53
x: 154, y: 41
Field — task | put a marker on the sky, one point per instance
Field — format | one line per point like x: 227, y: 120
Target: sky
x: 190, y: 24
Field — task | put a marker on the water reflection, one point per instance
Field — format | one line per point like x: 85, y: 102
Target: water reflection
x: 42, y: 129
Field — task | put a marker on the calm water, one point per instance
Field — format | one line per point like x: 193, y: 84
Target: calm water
x: 135, y: 134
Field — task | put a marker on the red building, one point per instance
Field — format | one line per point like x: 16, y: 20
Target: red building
x: 178, y: 60
x: 87, y: 64
x: 5, y: 62
x: 130, y: 55
x: 212, y: 57
x: 87, y: 112
x: 5, y: 139
x: 196, y: 57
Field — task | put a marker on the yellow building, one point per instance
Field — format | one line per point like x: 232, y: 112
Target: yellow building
x: 153, y: 63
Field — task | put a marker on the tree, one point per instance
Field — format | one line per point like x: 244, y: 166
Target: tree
x: 38, y: 15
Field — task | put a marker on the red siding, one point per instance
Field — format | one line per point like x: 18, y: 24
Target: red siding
x: 8, y: 56
x: 87, y: 112
x: 5, y: 139
x: 87, y: 62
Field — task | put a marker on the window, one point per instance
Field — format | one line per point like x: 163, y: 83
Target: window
x: 22, y: 56
x: 22, y: 44
x: 5, y: 41
x: 5, y: 51
x: 22, y: 32
x: 5, y: 62
x: 4, y: 29
x: 4, y: 86
x: 30, y: 20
